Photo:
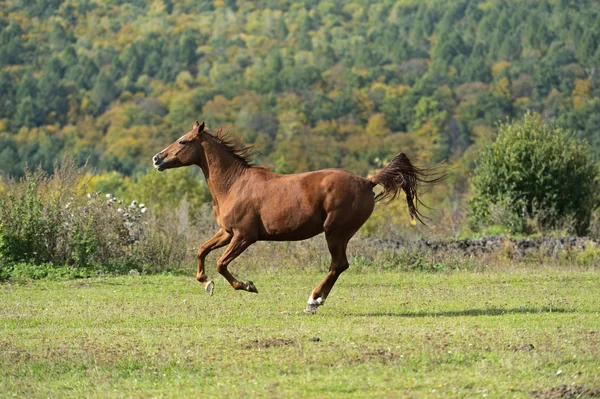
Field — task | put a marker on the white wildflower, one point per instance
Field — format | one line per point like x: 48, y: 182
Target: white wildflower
x: 143, y: 210
x: 108, y: 196
x: 142, y: 205
x: 134, y: 202
x: 120, y: 211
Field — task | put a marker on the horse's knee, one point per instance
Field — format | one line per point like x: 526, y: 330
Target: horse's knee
x: 202, y: 252
x: 341, y: 267
x: 221, y: 267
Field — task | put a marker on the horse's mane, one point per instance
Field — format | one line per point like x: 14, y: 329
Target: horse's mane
x: 244, y: 154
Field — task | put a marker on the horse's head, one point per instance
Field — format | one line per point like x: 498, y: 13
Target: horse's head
x: 184, y: 151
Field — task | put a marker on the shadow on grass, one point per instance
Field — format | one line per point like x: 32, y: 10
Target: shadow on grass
x: 466, y: 312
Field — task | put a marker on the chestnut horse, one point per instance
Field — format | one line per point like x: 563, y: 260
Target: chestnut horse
x: 253, y: 204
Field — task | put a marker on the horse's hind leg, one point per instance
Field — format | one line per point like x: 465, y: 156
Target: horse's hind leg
x: 337, y: 247
x: 238, y: 245
x: 219, y: 240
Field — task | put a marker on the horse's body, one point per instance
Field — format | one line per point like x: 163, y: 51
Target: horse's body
x: 272, y: 207
x: 253, y: 204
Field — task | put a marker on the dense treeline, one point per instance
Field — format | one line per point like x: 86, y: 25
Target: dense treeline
x: 312, y: 84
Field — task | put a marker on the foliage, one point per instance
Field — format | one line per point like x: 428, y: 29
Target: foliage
x: 50, y: 220
x: 167, y: 190
x: 112, y: 83
x: 48, y: 271
x: 535, y: 170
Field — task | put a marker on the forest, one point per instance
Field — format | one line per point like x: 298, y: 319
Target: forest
x: 311, y: 84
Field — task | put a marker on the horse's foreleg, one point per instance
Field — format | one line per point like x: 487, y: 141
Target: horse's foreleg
x: 339, y: 263
x: 238, y: 245
x: 219, y: 240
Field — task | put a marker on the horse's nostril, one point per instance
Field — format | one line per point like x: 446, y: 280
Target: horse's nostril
x: 155, y: 158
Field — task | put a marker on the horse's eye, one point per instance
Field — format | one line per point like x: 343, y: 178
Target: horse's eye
x: 183, y: 142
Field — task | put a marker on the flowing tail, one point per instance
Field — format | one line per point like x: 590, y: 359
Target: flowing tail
x: 402, y: 174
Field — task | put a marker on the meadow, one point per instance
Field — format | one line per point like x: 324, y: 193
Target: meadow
x: 509, y: 331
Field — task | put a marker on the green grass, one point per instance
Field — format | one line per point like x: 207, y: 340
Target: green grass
x: 381, y: 334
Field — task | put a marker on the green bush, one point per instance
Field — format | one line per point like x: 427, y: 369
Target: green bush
x: 30, y: 271
x: 55, y: 220
x: 166, y: 190
x: 22, y: 223
x: 534, y: 171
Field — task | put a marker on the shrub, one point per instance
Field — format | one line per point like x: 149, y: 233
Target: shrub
x: 536, y: 171
x: 51, y: 220
x: 51, y: 226
x: 47, y: 271
x: 166, y: 190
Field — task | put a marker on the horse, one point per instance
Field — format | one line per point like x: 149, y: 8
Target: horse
x: 254, y: 204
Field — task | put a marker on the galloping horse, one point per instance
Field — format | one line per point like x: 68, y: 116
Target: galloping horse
x: 253, y: 204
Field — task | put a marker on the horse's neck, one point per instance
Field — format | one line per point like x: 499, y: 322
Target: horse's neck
x: 221, y: 169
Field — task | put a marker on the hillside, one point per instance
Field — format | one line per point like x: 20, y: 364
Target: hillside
x: 311, y: 84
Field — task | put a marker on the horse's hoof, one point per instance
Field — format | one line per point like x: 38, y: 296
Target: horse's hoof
x: 251, y: 287
x: 311, y: 309
x: 210, y: 287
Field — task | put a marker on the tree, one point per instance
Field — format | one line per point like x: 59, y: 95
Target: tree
x: 537, y: 170
x: 7, y: 99
x: 186, y: 52
x: 83, y: 73
x: 51, y: 94
x: 27, y: 114
x: 9, y: 157
x: 377, y: 126
x: 104, y: 91
x: 11, y: 47
x: 281, y: 30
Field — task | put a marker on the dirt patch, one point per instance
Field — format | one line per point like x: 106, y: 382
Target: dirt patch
x: 521, y: 348
x: 566, y: 391
x: 268, y: 343
x: 15, y: 354
x: 382, y: 355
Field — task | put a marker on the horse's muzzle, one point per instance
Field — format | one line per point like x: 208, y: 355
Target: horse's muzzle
x: 157, y: 160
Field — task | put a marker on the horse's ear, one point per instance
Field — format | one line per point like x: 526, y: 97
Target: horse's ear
x: 199, y: 126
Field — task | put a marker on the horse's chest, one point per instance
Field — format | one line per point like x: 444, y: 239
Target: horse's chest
x: 218, y: 216
x: 234, y: 216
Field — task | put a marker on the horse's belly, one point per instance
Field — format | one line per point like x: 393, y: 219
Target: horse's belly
x: 290, y: 224
x: 298, y: 235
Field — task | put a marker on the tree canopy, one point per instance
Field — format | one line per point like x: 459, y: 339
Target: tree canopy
x: 113, y: 82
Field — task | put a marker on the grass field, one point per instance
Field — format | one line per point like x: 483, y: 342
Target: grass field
x: 381, y: 334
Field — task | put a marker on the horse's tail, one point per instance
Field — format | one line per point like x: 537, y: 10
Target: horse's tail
x: 402, y: 174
